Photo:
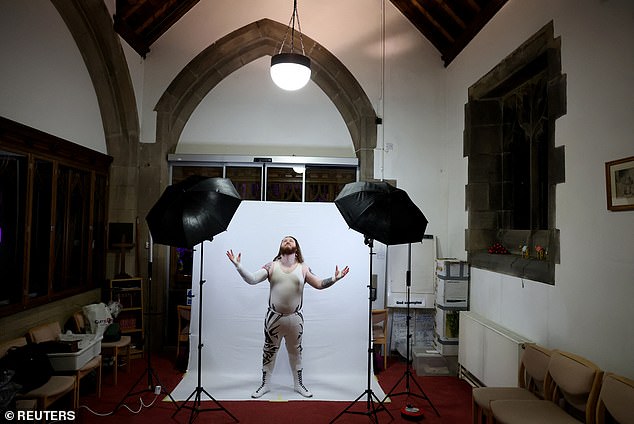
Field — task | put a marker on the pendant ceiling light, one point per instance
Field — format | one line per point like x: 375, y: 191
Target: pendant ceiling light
x: 290, y: 70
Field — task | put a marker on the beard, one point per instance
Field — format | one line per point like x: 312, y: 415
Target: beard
x: 288, y: 250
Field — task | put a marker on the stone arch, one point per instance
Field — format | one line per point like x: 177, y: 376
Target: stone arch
x: 91, y: 27
x: 245, y: 45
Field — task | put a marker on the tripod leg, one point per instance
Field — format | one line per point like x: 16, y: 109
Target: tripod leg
x: 373, y: 406
x: 220, y: 407
x: 424, y: 396
x: 372, y: 400
x: 348, y: 407
x: 195, y: 409
x: 130, y: 393
x: 149, y: 371
x: 408, y: 372
x: 183, y: 405
x: 154, y: 376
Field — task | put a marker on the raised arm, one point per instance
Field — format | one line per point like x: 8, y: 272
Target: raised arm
x: 249, y: 277
x: 324, y: 283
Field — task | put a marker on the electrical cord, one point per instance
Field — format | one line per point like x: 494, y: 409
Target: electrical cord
x: 106, y: 414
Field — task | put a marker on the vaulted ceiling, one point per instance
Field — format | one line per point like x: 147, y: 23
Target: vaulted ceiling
x: 448, y: 24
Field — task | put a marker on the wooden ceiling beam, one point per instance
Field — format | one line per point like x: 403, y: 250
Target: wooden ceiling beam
x: 448, y: 24
x: 450, y: 11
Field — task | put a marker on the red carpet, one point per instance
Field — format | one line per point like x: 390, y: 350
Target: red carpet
x: 450, y: 396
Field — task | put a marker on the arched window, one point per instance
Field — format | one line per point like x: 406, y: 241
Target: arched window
x: 513, y: 162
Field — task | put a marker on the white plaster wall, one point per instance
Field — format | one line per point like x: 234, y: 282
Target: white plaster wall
x: 414, y: 124
x: 247, y: 114
x: 588, y: 310
x: 43, y: 79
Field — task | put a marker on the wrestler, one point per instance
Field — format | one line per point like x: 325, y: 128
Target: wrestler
x: 287, y: 274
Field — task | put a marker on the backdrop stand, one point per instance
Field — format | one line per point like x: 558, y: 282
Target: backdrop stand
x: 153, y: 381
x: 373, y: 404
x: 199, y: 390
x: 407, y: 375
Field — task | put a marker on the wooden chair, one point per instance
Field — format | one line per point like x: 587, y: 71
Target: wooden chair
x: 379, y: 331
x: 111, y: 348
x: 532, y: 373
x: 115, y: 349
x: 184, y: 316
x: 616, y: 400
x: 50, y: 392
x: 571, y: 388
x: 50, y: 332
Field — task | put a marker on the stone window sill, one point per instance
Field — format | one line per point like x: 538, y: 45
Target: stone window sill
x: 515, y: 265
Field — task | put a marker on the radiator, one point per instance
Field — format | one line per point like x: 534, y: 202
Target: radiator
x: 488, y: 354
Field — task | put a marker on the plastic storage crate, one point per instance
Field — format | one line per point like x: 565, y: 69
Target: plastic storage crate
x: 428, y: 361
x: 89, y: 348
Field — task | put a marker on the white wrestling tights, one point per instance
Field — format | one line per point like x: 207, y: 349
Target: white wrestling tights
x: 277, y: 327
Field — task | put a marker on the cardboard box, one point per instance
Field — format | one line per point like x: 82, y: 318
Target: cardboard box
x: 454, y: 293
x: 446, y: 347
x: 449, y: 268
x: 89, y: 348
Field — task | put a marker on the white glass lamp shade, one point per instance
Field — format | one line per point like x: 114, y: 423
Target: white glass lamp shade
x: 290, y: 71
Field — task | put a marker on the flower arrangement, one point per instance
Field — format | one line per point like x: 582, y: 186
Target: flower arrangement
x: 498, y: 248
x: 541, y: 252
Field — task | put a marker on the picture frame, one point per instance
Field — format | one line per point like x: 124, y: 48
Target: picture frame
x: 619, y: 183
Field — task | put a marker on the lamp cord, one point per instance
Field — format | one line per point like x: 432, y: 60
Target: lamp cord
x: 291, y: 26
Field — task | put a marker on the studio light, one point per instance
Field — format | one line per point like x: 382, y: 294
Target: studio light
x: 290, y: 70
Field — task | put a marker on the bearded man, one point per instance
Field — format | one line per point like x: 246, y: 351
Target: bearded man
x: 287, y: 274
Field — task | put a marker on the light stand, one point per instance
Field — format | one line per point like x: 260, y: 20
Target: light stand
x: 408, y: 371
x: 152, y: 377
x: 196, y: 394
x: 373, y: 403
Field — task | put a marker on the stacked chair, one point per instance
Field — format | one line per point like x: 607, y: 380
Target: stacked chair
x: 616, y: 400
x: 532, y: 373
x: 557, y: 387
x: 571, y: 389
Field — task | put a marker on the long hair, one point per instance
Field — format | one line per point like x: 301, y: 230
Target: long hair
x: 298, y: 253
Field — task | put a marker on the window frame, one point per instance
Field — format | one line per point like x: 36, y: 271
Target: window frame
x: 263, y: 162
x: 490, y: 217
x: 90, y: 225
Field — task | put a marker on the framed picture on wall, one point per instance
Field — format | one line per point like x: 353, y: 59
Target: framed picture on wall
x: 619, y: 180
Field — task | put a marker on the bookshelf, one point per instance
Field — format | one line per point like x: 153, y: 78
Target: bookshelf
x: 129, y: 292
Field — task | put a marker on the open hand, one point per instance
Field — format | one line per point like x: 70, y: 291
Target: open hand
x: 234, y: 259
x: 340, y: 274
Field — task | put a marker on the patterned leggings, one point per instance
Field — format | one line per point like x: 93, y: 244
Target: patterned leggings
x: 277, y: 327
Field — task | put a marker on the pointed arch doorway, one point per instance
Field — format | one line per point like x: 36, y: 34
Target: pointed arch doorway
x: 245, y: 45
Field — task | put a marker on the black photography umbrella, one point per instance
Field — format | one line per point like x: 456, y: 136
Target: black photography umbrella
x: 194, y: 210
x: 187, y: 214
x: 381, y: 212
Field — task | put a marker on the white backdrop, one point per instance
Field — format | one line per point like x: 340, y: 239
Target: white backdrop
x: 336, y: 319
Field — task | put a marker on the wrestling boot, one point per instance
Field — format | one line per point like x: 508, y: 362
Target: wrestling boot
x: 299, y: 385
x: 264, y: 387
